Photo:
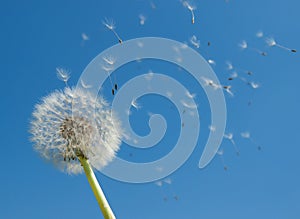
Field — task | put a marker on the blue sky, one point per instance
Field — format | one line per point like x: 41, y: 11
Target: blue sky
x: 38, y: 36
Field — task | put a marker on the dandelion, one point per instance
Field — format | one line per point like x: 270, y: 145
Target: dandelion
x: 110, y: 24
x: 195, y: 42
x: 63, y: 75
x: 191, y: 9
x: 271, y: 42
x: 142, y: 19
x: 76, y: 131
x: 221, y: 153
x: 247, y: 135
x: 229, y: 136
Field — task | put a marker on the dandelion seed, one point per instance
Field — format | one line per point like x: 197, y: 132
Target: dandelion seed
x: 84, y: 85
x: 259, y: 34
x: 209, y: 82
x: 109, y: 60
x: 211, y: 61
x: 271, y: 42
x: 149, y: 75
x: 212, y: 128
x: 229, y: 65
x: 189, y: 105
x: 233, y: 76
x: 229, y: 136
x: 142, y: 19
x: 247, y: 135
x: 110, y: 24
x: 63, y: 75
x: 189, y: 95
x: 191, y: 9
x: 243, y: 45
x: 221, y: 153
x: 158, y: 183
x: 168, y: 181
x: 228, y: 90
x: 77, y: 138
x: 195, y: 42
x: 153, y: 6
x: 84, y: 37
x: 169, y: 94
x: 135, y: 104
x: 107, y: 69
x: 254, y: 85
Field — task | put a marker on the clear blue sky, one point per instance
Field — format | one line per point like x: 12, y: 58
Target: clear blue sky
x: 38, y: 36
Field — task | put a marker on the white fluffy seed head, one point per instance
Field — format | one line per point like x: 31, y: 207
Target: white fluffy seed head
x: 72, y: 123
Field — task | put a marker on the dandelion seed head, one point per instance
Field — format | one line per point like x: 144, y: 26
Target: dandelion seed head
x: 62, y: 132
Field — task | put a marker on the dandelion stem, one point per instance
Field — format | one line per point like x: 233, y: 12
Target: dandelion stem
x: 104, y: 206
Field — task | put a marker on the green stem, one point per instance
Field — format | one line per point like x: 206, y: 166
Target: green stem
x: 104, y: 206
